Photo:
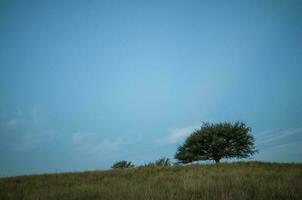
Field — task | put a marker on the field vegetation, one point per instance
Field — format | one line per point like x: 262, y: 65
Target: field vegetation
x: 241, y: 180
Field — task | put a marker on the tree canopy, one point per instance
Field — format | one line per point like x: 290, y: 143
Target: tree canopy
x: 217, y: 141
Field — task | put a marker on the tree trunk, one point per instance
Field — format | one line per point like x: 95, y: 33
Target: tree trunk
x: 217, y: 160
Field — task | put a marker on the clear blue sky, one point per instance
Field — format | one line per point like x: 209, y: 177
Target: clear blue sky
x: 87, y: 83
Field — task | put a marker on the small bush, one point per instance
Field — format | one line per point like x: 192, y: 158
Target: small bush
x: 162, y: 162
x: 122, y: 164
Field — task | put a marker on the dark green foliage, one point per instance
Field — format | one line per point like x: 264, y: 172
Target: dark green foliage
x: 162, y: 162
x: 233, y: 181
x: 122, y: 164
x: 217, y: 141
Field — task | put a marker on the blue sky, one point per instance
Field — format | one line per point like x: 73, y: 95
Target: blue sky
x: 86, y: 83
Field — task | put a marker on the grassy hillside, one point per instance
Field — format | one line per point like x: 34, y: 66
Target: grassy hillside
x: 252, y: 180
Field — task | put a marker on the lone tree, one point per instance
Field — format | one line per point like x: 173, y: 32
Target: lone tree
x: 217, y: 141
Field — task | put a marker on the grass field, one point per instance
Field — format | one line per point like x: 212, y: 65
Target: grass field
x: 244, y: 180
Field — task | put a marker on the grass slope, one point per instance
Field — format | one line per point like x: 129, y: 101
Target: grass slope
x: 250, y: 180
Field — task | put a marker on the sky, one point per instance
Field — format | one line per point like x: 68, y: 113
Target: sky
x: 86, y: 83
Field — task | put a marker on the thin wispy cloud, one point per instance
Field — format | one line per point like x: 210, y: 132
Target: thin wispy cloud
x: 277, y: 135
x: 286, y: 145
x: 32, y: 140
x: 280, y: 145
x: 37, y: 138
x: 26, y: 131
x: 177, y: 135
x: 12, y: 122
x: 93, y: 143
